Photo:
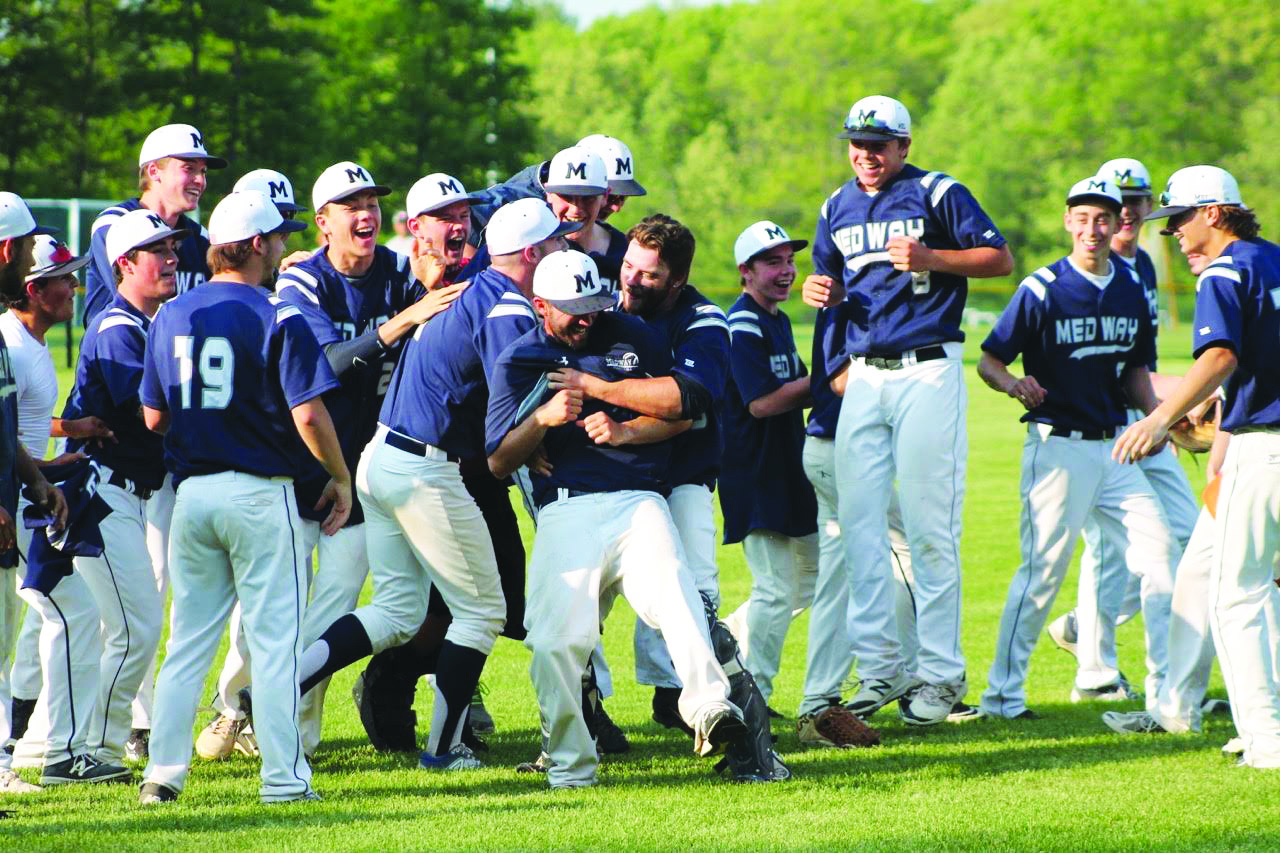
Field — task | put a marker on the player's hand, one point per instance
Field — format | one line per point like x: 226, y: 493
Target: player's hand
x: 427, y: 263
x: 62, y: 459
x: 822, y: 291
x: 561, y: 409
x: 50, y: 497
x: 1146, y: 437
x: 1203, y: 412
x: 90, y: 427
x: 603, y: 429
x: 909, y: 254
x: 1028, y: 392
x: 840, y: 379
x: 339, y: 494
x: 566, y: 378
x: 8, y: 533
x: 539, y: 463
x: 435, y: 301
x: 295, y: 258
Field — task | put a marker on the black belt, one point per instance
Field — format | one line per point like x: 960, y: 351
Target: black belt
x: 1085, y: 434
x: 120, y: 481
x: 894, y: 362
x: 411, y: 445
x: 561, y: 494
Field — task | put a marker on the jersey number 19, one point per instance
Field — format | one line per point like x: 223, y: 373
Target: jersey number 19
x: 217, y: 370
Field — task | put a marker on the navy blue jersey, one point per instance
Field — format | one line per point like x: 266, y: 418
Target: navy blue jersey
x: 8, y: 449
x: 99, y: 278
x: 108, y: 375
x: 51, y: 554
x: 826, y: 404
x: 527, y: 183
x: 440, y: 393
x: 888, y: 311
x: 228, y: 362
x: 762, y: 481
x: 1141, y: 268
x: 1077, y: 340
x: 609, y: 263
x: 339, y: 308
x: 698, y: 335
x: 619, y: 347
x: 1238, y: 306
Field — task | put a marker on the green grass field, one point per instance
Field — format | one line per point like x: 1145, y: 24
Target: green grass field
x: 1064, y: 782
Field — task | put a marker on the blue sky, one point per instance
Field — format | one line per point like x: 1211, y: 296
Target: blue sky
x: 586, y: 11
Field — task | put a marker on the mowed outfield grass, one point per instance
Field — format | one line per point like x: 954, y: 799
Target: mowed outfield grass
x: 1064, y: 782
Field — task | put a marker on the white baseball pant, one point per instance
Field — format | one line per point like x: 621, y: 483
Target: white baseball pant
x: 10, y: 612
x: 159, y: 515
x: 234, y: 675
x: 693, y: 512
x: 587, y: 550
x: 422, y: 527
x: 234, y: 535
x: 1242, y: 591
x: 24, y: 680
x: 1108, y: 593
x: 123, y: 584
x: 1065, y: 481
x: 906, y: 424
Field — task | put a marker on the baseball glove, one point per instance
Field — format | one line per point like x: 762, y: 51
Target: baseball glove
x: 1197, y: 438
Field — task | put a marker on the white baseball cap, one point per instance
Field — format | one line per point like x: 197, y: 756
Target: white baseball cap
x: 274, y: 185
x: 177, y: 140
x: 570, y: 281
x: 761, y: 237
x: 136, y: 228
x: 877, y: 117
x: 522, y: 223
x: 618, y: 163
x: 341, y: 180
x: 576, y: 171
x: 1197, y: 186
x: 435, y: 191
x: 16, y: 219
x: 53, y: 258
x: 245, y: 214
x: 1096, y: 190
x: 1128, y: 174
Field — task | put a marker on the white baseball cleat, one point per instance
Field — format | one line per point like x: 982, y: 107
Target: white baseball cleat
x: 1118, y: 691
x: 459, y: 758
x: 1235, y: 746
x: 1064, y: 632
x: 930, y: 703
x: 1132, y: 723
x: 11, y: 783
x: 218, y: 739
x: 874, y: 693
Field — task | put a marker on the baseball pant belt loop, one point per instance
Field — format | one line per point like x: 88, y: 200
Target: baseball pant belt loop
x: 120, y: 481
x: 897, y: 361
x: 1047, y: 430
x: 417, y: 448
x: 562, y: 495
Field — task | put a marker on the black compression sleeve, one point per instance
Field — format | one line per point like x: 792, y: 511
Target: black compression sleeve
x: 344, y: 355
x: 695, y: 400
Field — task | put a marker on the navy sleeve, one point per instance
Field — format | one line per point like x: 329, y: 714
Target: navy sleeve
x: 523, y: 184
x: 506, y: 322
x: 514, y: 392
x: 964, y: 218
x: 151, y: 392
x: 1018, y: 322
x: 304, y: 371
x: 749, y: 359
x: 828, y: 260
x: 1219, y: 311
x: 99, y: 280
x: 119, y: 353
x: 303, y: 292
x: 702, y: 350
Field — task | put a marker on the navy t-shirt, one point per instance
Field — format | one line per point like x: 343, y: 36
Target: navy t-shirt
x: 108, y: 375
x: 889, y: 311
x: 619, y: 347
x: 228, y: 362
x: 1077, y: 340
x: 440, y: 393
x: 99, y: 278
x: 762, y: 481
x: 1238, y: 306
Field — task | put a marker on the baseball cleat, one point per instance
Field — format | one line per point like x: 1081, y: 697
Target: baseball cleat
x: 1118, y: 691
x: 930, y: 704
x: 874, y: 693
x: 11, y: 783
x: 538, y: 765
x: 247, y: 742
x: 964, y: 713
x: 720, y: 727
x: 1235, y: 746
x: 609, y: 737
x: 307, y: 796
x: 836, y: 727
x: 82, y: 768
x: 666, y: 709
x: 481, y: 719
x: 1064, y: 632
x: 218, y: 739
x: 459, y: 758
x: 153, y: 793
x: 1215, y: 706
x: 1027, y: 714
x: 138, y: 747
x: 1132, y: 723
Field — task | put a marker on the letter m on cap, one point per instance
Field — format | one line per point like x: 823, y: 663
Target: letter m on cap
x: 774, y: 233
x: 357, y: 174
x: 449, y: 186
x: 156, y: 222
x: 576, y: 169
x: 1098, y: 185
x: 198, y: 141
x: 624, y: 166
x: 584, y: 282
x: 277, y: 189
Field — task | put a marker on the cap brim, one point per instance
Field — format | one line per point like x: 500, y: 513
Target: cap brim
x: 576, y: 189
x: 1134, y: 193
x: 45, y: 229
x: 627, y: 187
x: 1166, y: 212
x: 209, y: 162
x: 470, y: 198
x: 564, y: 228
x: 796, y: 245
x: 376, y: 189
x: 868, y: 135
x: 288, y: 207
x: 290, y: 226
x: 59, y: 269
x: 1094, y: 198
x: 585, y: 304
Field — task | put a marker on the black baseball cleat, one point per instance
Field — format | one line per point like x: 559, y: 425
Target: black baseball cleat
x: 610, y: 739
x: 153, y: 793
x: 83, y: 768
x: 666, y: 709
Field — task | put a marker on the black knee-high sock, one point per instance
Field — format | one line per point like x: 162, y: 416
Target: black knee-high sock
x: 348, y: 642
x: 456, y: 678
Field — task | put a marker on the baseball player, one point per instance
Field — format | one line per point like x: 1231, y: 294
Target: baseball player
x: 1108, y: 592
x: 17, y: 231
x: 424, y: 528
x: 402, y: 242
x: 603, y: 527
x: 894, y: 248
x: 622, y: 174
x: 1083, y: 329
x: 767, y: 502
x: 233, y: 379
x: 655, y: 287
x: 171, y: 179
x: 1237, y: 325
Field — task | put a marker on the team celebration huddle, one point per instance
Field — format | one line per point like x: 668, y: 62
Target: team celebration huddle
x: 252, y: 434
